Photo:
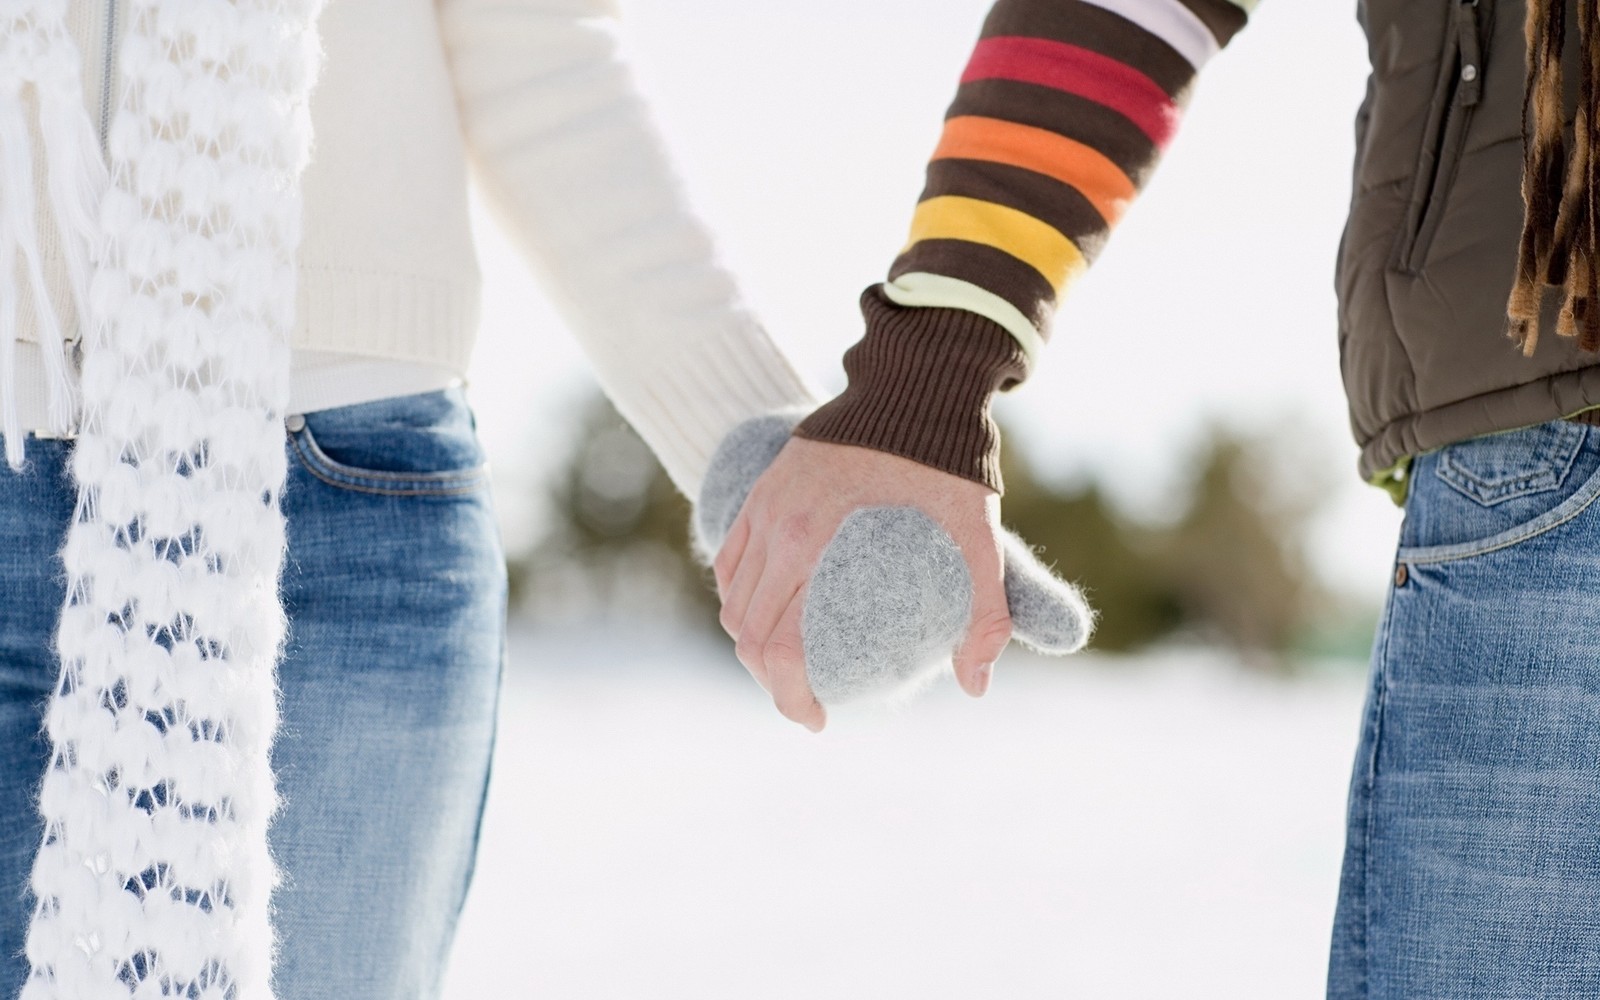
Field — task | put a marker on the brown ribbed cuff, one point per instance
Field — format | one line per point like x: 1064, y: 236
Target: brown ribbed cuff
x: 920, y: 384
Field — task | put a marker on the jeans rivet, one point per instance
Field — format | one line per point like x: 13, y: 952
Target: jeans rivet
x: 295, y: 423
x: 1400, y: 575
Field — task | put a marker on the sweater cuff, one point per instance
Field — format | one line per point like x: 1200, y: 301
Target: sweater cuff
x: 920, y: 384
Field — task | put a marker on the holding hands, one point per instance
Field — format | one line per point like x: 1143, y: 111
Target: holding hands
x: 848, y: 573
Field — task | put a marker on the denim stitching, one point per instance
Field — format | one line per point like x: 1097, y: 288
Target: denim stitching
x: 1564, y: 512
x: 1490, y: 492
x: 369, y: 481
x: 1380, y: 697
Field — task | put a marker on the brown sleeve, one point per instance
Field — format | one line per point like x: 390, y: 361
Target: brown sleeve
x: 920, y: 382
x: 1059, y: 118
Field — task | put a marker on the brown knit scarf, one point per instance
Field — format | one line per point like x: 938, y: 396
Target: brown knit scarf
x: 1558, y: 247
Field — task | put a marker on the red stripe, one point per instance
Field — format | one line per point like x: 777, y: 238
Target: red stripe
x: 1079, y: 71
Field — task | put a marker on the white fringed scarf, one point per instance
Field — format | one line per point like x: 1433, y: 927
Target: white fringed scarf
x: 154, y: 877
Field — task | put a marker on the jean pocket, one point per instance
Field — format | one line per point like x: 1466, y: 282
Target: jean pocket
x: 1498, y: 468
x: 422, y: 444
x: 1490, y: 492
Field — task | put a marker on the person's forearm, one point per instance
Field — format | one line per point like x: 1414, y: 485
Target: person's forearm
x: 1061, y: 114
x: 569, y: 156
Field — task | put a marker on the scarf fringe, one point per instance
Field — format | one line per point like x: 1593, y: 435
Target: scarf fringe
x: 14, y: 167
x: 40, y: 60
x: 1559, y: 246
x: 76, y: 181
x: 1543, y: 172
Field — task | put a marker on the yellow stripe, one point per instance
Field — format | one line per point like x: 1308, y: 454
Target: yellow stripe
x: 924, y: 289
x: 1037, y: 244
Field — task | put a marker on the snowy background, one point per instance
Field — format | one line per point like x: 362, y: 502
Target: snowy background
x: 1160, y: 826
x: 1092, y: 827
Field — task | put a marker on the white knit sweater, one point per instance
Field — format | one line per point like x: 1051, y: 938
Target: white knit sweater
x: 534, y: 96
x: 173, y: 282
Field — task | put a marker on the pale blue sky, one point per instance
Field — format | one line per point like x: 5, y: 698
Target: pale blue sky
x: 801, y: 131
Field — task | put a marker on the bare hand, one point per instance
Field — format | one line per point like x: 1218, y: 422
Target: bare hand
x: 788, y: 519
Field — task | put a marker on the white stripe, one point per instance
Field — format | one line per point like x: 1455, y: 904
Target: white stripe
x: 1169, y: 21
x: 926, y: 290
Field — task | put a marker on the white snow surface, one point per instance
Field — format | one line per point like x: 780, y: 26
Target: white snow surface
x: 1099, y: 827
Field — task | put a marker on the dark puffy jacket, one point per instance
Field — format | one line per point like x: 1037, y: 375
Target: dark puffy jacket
x: 1430, y: 247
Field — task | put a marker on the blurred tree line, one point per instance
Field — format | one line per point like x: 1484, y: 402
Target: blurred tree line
x: 1227, y: 570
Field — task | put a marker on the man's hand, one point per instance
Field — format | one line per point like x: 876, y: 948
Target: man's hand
x: 787, y: 520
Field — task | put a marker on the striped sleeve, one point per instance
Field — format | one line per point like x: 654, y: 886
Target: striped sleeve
x: 1063, y: 110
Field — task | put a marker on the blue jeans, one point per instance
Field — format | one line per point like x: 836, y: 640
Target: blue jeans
x: 1472, y: 857
x: 394, y: 584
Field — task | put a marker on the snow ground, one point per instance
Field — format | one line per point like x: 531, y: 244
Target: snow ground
x: 1102, y: 828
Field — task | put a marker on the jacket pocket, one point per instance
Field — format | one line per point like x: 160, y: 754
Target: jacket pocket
x: 1456, y: 94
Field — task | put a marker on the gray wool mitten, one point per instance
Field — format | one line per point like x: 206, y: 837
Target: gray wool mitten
x: 890, y: 597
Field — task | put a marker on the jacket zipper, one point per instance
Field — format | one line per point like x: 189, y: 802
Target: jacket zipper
x: 1470, y: 76
x: 1462, y: 85
x: 105, y: 83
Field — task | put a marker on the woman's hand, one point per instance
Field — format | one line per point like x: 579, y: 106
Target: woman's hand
x: 788, y: 519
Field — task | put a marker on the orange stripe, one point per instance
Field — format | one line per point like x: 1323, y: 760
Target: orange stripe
x: 973, y: 137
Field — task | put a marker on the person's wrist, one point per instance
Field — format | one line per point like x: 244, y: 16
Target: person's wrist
x: 921, y: 384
